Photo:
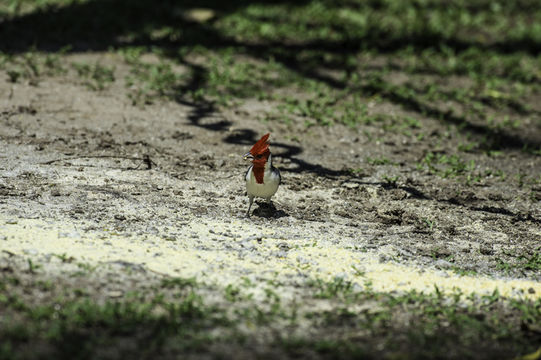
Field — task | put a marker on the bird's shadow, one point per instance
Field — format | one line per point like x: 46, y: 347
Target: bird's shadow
x: 268, y: 210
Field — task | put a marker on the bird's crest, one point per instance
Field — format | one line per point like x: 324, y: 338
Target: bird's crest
x: 261, y: 146
x: 261, y: 152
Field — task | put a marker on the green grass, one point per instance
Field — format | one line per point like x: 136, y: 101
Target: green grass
x: 32, y: 66
x: 246, y: 50
x: 530, y: 262
x: 96, y: 76
x: 173, y: 317
x: 446, y: 166
x: 332, y: 289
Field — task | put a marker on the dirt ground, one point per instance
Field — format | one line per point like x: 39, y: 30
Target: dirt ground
x: 156, y: 191
x: 76, y: 155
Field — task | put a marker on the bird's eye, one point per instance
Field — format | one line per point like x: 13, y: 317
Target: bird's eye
x: 259, y: 156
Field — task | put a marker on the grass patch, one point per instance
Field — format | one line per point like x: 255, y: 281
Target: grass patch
x: 96, y: 76
x: 450, y: 166
x: 175, y: 317
x: 525, y: 262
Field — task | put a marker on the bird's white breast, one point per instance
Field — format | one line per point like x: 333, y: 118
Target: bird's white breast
x: 271, y: 181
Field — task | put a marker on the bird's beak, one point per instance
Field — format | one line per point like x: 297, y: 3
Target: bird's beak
x: 248, y: 156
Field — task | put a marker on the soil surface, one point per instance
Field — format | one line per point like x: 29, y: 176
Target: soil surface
x: 92, y: 161
x: 88, y: 180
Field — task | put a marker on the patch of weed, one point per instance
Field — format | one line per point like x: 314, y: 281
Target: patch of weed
x: 97, y: 76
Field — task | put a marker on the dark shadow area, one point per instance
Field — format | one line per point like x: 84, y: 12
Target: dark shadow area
x: 415, y: 193
x: 248, y: 137
x: 202, y: 111
x: 268, y: 210
x: 495, y: 138
x: 101, y: 25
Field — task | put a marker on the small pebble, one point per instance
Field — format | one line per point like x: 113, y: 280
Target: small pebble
x: 115, y: 293
x: 350, y: 185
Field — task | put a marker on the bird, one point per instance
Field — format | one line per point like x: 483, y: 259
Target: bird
x: 262, y: 179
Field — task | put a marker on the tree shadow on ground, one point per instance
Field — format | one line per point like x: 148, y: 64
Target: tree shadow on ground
x: 248, y: 137
x: 100, y: 25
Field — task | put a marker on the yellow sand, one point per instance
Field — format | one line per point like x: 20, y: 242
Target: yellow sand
x: 223, y: 261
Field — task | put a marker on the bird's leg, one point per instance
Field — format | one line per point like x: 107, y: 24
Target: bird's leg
x: 250, y: 206
x: 269, y: 205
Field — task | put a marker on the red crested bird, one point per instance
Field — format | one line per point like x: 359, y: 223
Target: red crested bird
x: 262, y: 179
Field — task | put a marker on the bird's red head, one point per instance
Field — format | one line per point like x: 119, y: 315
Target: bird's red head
x: 259, y: 154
